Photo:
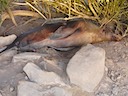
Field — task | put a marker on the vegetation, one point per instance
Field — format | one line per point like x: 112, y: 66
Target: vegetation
x: 101, y: 11
x: 3, y: 5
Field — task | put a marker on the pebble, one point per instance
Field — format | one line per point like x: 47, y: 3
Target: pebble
x: 12, y: 89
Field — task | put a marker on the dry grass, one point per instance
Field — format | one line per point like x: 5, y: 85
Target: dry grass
x: 102, y: 11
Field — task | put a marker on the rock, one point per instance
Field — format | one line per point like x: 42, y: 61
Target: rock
x: 12, y: 89
x: 76, y: 91
x: 26, y: 57
x: 29, y: 89
x: 6, y: 56
x: 53, y: 65
x: 1, y: 94
x: 9, y: 73
x: 58, y: 91
x: 115, y: 90
x: 86, y: 67
x: 34, y: 89
x: 126, y: 43
x: 4, y: 41
x: 41, y: 77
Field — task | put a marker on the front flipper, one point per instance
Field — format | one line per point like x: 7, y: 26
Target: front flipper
x: 62, y: 32
x: 67, y: 30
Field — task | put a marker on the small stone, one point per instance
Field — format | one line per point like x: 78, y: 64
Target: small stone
x: 123, y: 56
x: 26, y: 88
x: 26, y: 57
x: 86, y: 67
x: 4, y: 41
x: 106, y: 69
x: 115, y: 90
x: 12, y: 89
x: 41, y: 77
x: 106, y: 95
x: 26, y: 78
x: 33, y: 89
x: 11, y: 71
x: 57, y: 91
x: 126, y: 43
x: 48, y: 87
x: 7, y: 55
x: 1, y: 94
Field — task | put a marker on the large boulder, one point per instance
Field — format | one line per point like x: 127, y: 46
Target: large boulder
x: 86, y: 68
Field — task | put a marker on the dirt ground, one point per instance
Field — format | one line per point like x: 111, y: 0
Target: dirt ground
x: 115, y: 80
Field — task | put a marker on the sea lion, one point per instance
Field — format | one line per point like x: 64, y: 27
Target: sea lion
x: 71, y: 33
x: 75, y: 33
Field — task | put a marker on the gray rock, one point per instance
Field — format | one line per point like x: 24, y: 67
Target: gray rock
x: 61, y: 92
x: 1, y: 94
x: 41, y: 77
x: 9, y: 73
x: 86, y: 68
x: 57, y: 91
x: 26, y: 57
x: 29, y: 89
x: 7, y: 55
x: 34, y: 89
x: 11, y: 89
x: 4, y: 41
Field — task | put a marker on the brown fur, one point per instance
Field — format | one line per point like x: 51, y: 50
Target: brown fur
x: 71, y: 33
x: 79, y: 34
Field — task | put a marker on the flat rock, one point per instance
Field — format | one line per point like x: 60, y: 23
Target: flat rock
x: 26, y: 88
x: 9, y: 73
x: 58, y: 91
x: 34, y: 89
x: 86, y: 67
x: 7, y: 55
x: 26, y: 57
x: 42, y: 77
x: 4, y: 41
